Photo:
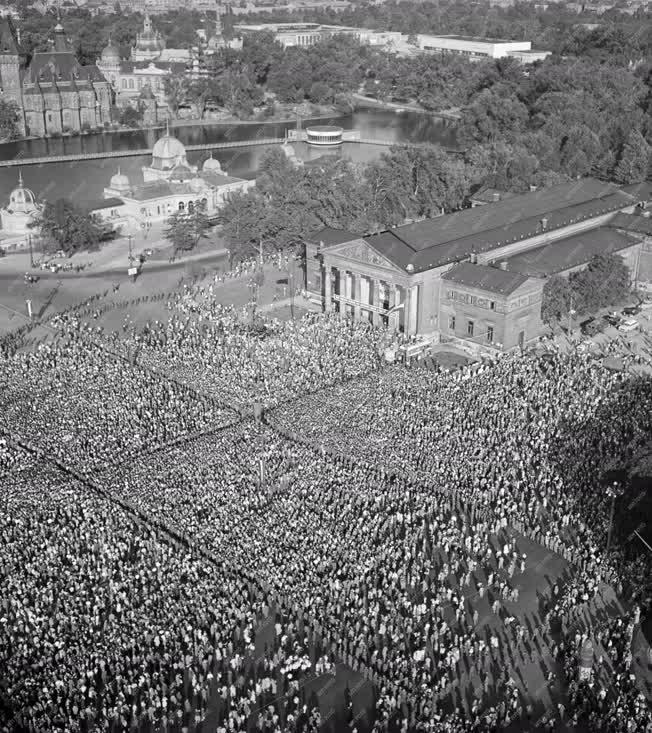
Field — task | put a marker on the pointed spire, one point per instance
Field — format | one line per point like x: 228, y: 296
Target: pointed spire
x: 20, y: 178
x: 167, y: 128
x: 118, y: 170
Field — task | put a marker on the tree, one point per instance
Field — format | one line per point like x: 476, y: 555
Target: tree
x: 70, y: 227
x: 131, y: 116
x: 186, y: 228
x: 556, y: 301
x: 495, y: 114
x: 635, y: 160
x: 176, y: 89
x: 8, y: 120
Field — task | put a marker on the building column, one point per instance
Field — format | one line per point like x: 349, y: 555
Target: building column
x: 328, y: 298
x: 393, y: 301
x: 377, y: 318
x: 356, y: 297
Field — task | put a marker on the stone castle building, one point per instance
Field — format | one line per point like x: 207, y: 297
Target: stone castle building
x: 54, y: 93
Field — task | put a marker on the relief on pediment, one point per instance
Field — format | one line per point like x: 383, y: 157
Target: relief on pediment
x: 362, y: 252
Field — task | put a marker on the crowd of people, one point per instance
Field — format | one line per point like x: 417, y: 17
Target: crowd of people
x: 108, y: 624
x: 387, y: 518
x: 79, y: 403
x: 219, y: 351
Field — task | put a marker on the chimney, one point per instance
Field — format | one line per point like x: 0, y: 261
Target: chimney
x: 495, y: 196
x: 503, y: 265
x: 474, y: 258
x: 544, y: 223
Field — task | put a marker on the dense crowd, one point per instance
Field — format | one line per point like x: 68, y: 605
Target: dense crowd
x: 391, y: 521
x: 219, y: 351
x: 83, y: 405
x: 107, y: 624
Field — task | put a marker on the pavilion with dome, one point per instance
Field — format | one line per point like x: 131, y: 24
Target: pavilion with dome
x: 19, y: 213
x: 170, y: 184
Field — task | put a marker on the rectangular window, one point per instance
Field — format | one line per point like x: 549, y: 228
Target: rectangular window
x: 521, y: 338
x: 451, y: 323
x: 492, y: 305
x: 490, y: 334
x: 469, y: 328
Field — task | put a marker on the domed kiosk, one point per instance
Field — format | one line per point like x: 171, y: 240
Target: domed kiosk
x: 20, y: 211
x: 110, y: 55
x: 323, y: 135
x: 212, y: 164
x: 168, y: 153
x: 120, y: 184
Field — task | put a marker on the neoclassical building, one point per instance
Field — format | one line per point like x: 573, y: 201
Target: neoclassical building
x: 55, y: 94
x: 477, y: 275
x: 170, y: 184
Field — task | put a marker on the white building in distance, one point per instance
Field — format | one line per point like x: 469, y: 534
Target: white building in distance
x: 170, y: 184
x: 307, y: 34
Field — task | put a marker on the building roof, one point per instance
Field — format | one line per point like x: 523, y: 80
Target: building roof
x: 214, y: 178
x: 130, y: 67
x: 329, y: 236
x: 473, y: 39
x: 569, y: 252
x: 152, y: 190
x: 101, y: 204
x: 8, y: 38
x: 631, y: 223
x: 60, y: 66
x: 484, y: 277
x: 453, y: 237
x: 490, y: 195
x: 640, y: 191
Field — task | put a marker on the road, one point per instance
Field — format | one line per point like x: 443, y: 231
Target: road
x: 150, y: 267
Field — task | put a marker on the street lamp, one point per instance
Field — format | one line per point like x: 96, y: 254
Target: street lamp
x: 571, y: 313
x: 613, y: 492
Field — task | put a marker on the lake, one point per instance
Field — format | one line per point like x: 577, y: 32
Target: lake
x: 85, y: 180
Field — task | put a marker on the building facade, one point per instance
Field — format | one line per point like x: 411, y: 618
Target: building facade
x: 54, y: 94
x: 478, y: 48
x: 490, y: 306
x: 307, y: 34
x: 406, y: 277
x: 170, y: 185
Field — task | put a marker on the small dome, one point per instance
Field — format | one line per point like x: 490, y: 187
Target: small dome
x: 21, y: 198
x: 181, y: 172
x: 212, y: 164
x: 168, y: 149
x: 119, y: 182
x: 110, y: 55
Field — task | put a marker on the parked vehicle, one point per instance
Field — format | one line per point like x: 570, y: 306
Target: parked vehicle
x: 612, y: 319
x: 631, y: 324
x: 631, y: 310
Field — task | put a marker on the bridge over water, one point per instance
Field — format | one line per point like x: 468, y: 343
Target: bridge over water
x: 129, y: 153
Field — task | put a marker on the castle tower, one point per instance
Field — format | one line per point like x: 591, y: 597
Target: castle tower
x: 10, y: 69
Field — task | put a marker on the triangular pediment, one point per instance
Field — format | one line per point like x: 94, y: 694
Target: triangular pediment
x: 359, y: 250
